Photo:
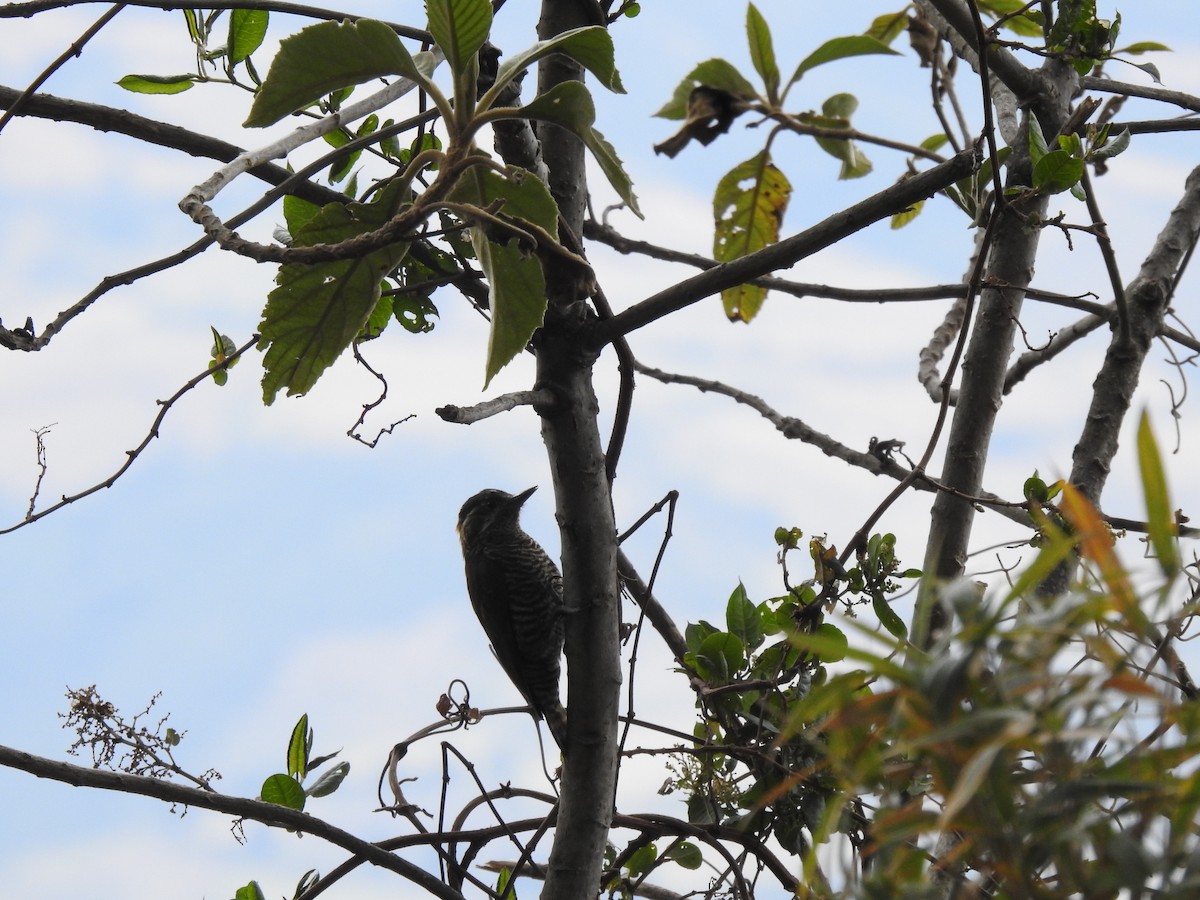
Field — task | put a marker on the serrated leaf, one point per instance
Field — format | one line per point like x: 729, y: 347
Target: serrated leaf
x: 460, y: 27
x: 317, y: 310
x: 591, y: 47
x: 283, y: 790
x: 330, y: 781
x: 842, y: 48
x: 762, y: 52
x: 326, y: 57
x: 748, y: 209
x: 714, y: 73
x: 157, y: 84
x: 569, y: 104
x: 1160, y: 520
x: 247, y: 28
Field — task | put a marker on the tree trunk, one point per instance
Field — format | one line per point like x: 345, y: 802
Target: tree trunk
x: 570, y: 430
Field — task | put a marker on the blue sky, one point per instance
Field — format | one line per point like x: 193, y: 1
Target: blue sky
x: 256, y: 564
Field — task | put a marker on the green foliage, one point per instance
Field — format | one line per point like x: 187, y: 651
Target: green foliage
x: 250, y: 892
x: 518, y: 287
x: 222, y: 348
x: 287, y: 789
x: 459, y: 27
x: 157, y: 84
x: 1163, y: 529
x: 317, y: 310
x: 748, y: 208
x: 247, y: 28
x: 323, y: 58
x: 1022, y: 734
x: 842, y: 48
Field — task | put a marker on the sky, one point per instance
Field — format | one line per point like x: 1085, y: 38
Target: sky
x: 256, y: 564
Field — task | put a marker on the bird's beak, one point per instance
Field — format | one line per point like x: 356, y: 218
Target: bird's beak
x: 519, y: 499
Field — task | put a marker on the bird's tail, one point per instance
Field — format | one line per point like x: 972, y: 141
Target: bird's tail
x: 556, y: 721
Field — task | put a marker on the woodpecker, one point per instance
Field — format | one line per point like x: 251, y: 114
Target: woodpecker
x: 516, y: 591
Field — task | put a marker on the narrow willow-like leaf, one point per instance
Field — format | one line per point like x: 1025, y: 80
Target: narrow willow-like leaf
x: 317, y: 310
x: 1159, y: 517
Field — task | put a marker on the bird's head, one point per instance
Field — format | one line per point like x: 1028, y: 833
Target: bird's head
x: 490, y: 511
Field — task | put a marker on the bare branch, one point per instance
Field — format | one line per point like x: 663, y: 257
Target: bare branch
x: 468, y: 415
x: 132, y: 455
x: 255, y: 810
x: 1146, y: 92
x: 33, y: 7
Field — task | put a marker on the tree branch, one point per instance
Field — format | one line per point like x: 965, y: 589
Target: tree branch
x: 255, y: 810
x: 789, y: 251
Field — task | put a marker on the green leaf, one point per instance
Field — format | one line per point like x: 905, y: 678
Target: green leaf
x: 591, y: 47
x: 1143, y: 47
x: 1112, y: 147
x: 330, y: 781
x: 685, y: 854
x: 748, y: 208
x: 283, y: 790
x: 250, y: 892
x: 317, y: 310
x: 247, y: 28
x: 297, y: 751
x: 721, y: 656
x: 641, y: 860
x: 323, y: 58
x: 888, y: 618
x: 900, y: 219
x: 742, y: 618
x: 762, y: 52
x: 714, y: 73
x: 1158, y: 503
x: 842, y: 48
x: 157, y: 84
x: 460, y: 27
x: 569, y: 105
x: 887, y: 28
x: 518, y: 287
x: 298, y: 212
x: 1057, y: 171
x: 834, y: 643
